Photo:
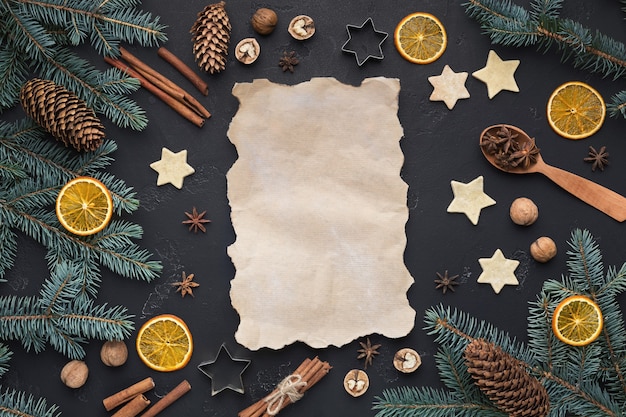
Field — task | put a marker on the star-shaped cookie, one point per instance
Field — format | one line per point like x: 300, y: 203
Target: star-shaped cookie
x: 172, y: 168
x: 498, y: 75
x: 469, y: 199
x: 449, y: 87
x: 498, y: 271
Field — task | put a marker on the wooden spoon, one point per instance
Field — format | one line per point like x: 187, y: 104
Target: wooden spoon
x: 605, y: 200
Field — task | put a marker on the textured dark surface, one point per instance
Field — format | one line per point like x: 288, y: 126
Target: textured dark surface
x: 439, y: 145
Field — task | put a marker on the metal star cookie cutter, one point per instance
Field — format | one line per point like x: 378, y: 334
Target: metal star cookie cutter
x: 222, y: 372
x: 360, y: 41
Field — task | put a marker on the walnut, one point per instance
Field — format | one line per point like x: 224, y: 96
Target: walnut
x: 523, y: 211
x: 114, y: 353
x: 301, y: 27
x: 406, y: 360
x: 543, y: 249
x: 264, y: 21
x: 356, y: 382
x: 247, y: 50
x: 74, y: 374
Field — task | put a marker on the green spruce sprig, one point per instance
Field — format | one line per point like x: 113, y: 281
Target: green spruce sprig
x: 14, y: 403
x: 583, y: 381
x: 509, y: 24
x: 38, y: 36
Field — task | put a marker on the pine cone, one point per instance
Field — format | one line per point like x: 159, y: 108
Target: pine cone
x: 210, y: 36
x: 501, y: 377
x: 62, y: 114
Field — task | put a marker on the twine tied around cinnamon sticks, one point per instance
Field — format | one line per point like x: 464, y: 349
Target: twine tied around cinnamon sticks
x: 289, y: 390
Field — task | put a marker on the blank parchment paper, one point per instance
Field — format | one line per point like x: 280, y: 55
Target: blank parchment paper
x: 319, y: 210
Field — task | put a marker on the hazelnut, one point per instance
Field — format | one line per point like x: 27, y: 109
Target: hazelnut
x: 247, y: 50
x: 406, y: 360
x: 301, y: 27
x: 264, y: 21
x: 523, y: 211
x: 114, y: 353
x: 74, y: 374
x: 356, y: 382
x: 543, y: 249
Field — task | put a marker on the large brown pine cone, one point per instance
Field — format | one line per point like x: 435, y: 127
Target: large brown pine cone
x: 211, y: 36
x: 62, y: 113
x: 503, y: 379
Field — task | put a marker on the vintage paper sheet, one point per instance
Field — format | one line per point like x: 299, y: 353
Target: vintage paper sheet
x: 319, y: 210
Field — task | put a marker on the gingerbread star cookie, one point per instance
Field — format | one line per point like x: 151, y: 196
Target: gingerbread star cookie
x: 498, y: 271
x: 449, y: 87
x: 172, y: 168
x: 498, y: 75
x: 469, y: 199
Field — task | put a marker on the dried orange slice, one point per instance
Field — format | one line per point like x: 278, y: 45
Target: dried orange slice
x: 164, y: 343
x: 576, y: 110
x: 420, y: 38
x: 577, y: 320
x: 84, y: 206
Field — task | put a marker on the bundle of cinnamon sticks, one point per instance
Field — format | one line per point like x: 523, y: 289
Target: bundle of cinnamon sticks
x: 310, y: 372
x: 169, y: 92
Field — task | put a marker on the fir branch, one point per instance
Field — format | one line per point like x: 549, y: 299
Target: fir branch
x: 35, y: 37
x: 5, y: 357
x: 428, y: 402
x: 512, y: 25
x: 16, y: 403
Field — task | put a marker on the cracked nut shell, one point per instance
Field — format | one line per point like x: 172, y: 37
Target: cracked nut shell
x: 264, y: 21
x: 74, y: 374
x: 356, y: 382
x: 523, y: 211
x: 114, y: 353
x: 543, y: 249
x: 406, y: 360
x: 301, y: 27
x: 247, y: 50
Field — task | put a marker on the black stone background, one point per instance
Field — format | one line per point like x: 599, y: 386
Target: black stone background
x: 439, y: 145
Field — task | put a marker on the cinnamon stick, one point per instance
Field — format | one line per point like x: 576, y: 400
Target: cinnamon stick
x: 133, y: 407
x: 311, y: 371
x: 176, y: 105
x: 184, y: 70
x: 128, y: 393
x: 181, y: 389
x: 144, y: 68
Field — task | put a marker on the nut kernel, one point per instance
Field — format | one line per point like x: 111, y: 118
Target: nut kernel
x: 301, y: 27
x: 247, y: 50
x: 407, y: 360
x: 356, y: 382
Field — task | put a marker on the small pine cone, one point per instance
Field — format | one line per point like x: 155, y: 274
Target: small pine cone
x: 505, y: 382
x: 211, y: 36
x: 62, y: 114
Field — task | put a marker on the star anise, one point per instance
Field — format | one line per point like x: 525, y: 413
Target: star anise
x: 288, y: 61
x: 186, y: 286
x: 196, y: 221
x: 525, y: 154
x: 368, y: 351
x: 506, y: 138
x: 446, y: 282
x: 599, y: 159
